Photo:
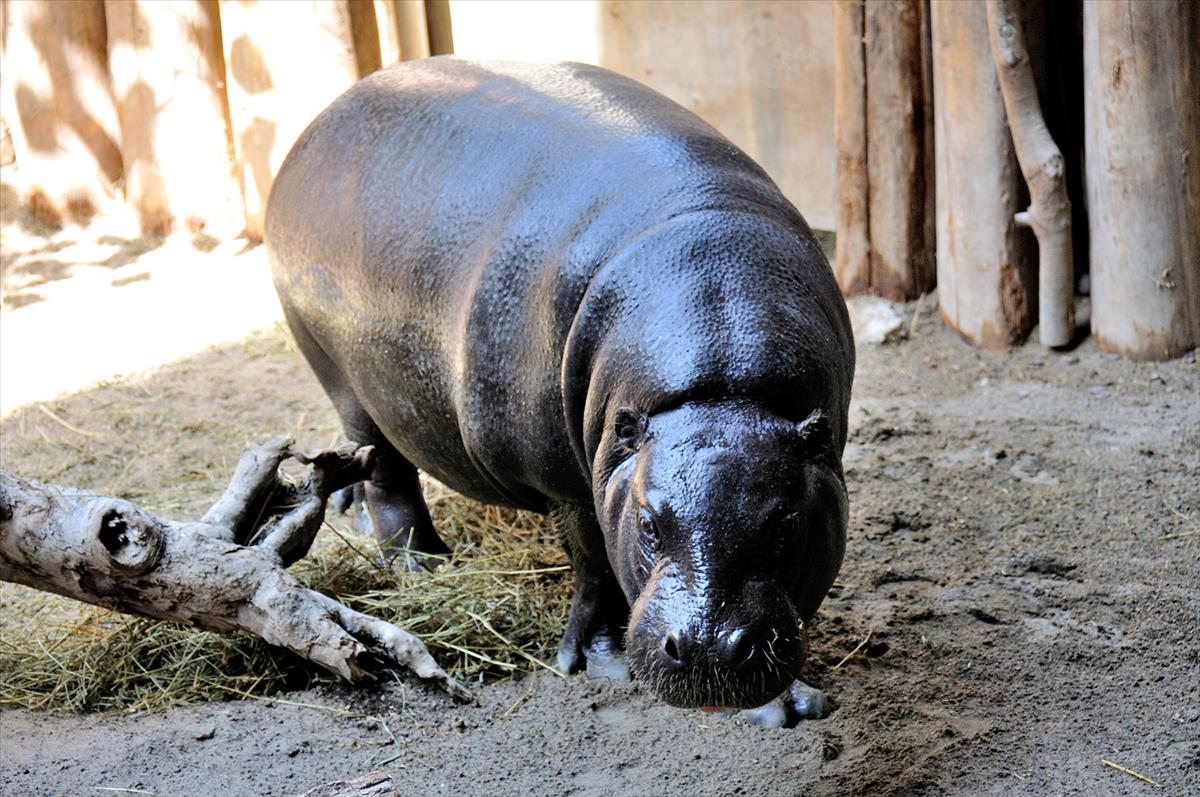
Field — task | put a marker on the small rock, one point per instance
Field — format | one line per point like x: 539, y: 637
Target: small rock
x: 875, y: 320
x: 204, y: 733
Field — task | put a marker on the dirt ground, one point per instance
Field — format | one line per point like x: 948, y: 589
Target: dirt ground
x: 1019, y: 605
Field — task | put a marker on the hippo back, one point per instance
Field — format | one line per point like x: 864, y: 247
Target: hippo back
x: 494, y: 254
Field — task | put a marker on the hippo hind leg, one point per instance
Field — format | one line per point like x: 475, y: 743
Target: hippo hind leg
x: 395, y: 506
x: 599, y: 611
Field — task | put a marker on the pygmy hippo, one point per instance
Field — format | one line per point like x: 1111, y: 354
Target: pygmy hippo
x: 550, y: 287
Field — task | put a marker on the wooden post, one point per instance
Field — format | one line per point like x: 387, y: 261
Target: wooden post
x: 168, y: 79
x: 852, y: 258
x: 1142, y: 120
x: 901, y: 260
x: 387, y: 21
x: 412, y: 29
x: 283, y: 68
x: 441, y: 35
x: 884, y: 205
x: 58, y: 101
x: 987, y: 287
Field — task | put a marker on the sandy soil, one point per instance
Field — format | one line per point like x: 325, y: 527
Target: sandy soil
x: 1020, y: 603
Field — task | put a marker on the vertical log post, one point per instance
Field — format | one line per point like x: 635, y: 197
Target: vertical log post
x: 168, y: 79
x: 1142, y: 120
x: 412, y: 29
x: 1044, y: 170
x: 852, y: 258
x: 441, y: 34
x: 901, y: 260
x: 387, y: 22
x: 58, y: 102
x: 283, y: 68
x: 986, y: 282
x: 884, y: 205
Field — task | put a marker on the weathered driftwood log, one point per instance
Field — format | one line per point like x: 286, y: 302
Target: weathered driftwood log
x: 985, y: 275
x: 225, y: 572
x: 373, y: 784
x: 1043, y: 167
x: 1141, y: 83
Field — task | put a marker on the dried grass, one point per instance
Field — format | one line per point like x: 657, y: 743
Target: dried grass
x: 169, y: 441
x: 497, y: 608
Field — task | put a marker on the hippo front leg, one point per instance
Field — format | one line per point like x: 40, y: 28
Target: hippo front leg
x: 599, y: 611
x: 800, y: 702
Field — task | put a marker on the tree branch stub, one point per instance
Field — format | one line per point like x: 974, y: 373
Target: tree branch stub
x: 1042, y: 165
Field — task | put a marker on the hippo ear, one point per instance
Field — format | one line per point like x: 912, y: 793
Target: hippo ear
x: 629, y: 429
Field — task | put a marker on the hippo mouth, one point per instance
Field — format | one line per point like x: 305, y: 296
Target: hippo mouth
x: 713, y: 688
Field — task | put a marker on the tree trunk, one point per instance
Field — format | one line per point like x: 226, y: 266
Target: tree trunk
x: 59, y: 103
x: 1142, y: 120
x: 283, y: 68
x: 1043, y: 167
x: 168, y: 79
x: 986, y: 282
x: 852, y: 258
x: 225, y: 572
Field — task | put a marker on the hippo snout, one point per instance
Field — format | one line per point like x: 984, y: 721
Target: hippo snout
x: 732, y: 649
x: 698, y: 653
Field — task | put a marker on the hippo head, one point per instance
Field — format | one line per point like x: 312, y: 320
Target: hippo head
x: 725, y: 526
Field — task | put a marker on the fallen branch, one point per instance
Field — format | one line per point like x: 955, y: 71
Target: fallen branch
x: 223, y: 573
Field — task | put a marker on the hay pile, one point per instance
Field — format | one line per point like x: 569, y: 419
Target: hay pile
x: 168, y: 441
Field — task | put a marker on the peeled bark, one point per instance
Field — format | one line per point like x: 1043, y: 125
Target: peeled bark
x: 1142, y: 120
x: 223, y: 573
x: 1042, y: 165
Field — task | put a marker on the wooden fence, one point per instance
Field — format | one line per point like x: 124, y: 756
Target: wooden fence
x: 186, y: 109
x: 1117, y: 79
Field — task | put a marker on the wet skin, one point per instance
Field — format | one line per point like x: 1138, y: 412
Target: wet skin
x: 552, y: 288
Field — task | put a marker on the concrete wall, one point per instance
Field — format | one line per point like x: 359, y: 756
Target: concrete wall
x: 761, y: 72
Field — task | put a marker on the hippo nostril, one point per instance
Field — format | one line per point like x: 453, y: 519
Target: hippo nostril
x: 736, y: 648
x: 675, y: 649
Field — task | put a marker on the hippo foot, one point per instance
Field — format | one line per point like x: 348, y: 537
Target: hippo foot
x: 600, y: 658
x: 800, y: 702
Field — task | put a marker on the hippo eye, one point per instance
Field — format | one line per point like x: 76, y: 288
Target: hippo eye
x: 649, y: 533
